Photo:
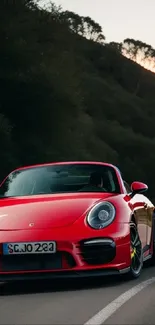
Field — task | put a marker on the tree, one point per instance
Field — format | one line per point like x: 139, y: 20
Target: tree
x: 116, y: 46
x: 139, y: 52
x: 93, y: 30
x: 75, y: 21
x: 84, y: 26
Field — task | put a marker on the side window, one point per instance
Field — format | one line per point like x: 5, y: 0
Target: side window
x: 127, y: 187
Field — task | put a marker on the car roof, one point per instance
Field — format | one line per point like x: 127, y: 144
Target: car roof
x: 66, y: 163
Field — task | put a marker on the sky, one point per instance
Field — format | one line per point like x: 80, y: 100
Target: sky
x: 119, y: 19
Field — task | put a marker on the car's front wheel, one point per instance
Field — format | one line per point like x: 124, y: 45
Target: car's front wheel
x: 136, y: 252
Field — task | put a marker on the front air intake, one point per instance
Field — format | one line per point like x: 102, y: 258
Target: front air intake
x: 97, y: 251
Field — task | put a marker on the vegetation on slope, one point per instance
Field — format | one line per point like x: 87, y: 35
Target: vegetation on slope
x: 67, y: 95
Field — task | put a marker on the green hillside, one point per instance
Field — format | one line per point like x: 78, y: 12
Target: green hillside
x: 65, y: 97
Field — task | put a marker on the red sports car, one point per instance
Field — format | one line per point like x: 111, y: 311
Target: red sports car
x: 73, y: 219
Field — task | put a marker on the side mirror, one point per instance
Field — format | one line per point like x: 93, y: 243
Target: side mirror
x: 138, y: 188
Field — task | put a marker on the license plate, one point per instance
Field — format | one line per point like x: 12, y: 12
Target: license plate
x: 47, y: 247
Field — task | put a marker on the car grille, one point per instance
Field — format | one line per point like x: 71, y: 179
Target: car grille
x: 97, y: 251
x: 34, y: 262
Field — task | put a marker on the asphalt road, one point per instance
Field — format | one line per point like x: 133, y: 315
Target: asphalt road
x: 76, y: 302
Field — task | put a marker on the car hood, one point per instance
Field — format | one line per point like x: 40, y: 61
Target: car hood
x: 45, y: 211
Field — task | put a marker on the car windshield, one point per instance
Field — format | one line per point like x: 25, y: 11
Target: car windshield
x: 63, y: 178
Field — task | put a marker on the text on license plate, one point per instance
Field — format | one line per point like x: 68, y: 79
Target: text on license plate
x: 29, y: 248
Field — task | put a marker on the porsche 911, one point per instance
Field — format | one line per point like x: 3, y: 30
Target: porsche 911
x: 73, y: 219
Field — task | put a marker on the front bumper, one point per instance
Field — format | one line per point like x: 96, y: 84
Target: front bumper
x: 14, y: 269
x: 92, y: 256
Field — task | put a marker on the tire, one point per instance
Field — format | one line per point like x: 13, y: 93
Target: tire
x: 137, y: 253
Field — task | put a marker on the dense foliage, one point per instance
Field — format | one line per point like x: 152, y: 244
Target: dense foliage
x: 67, y: 95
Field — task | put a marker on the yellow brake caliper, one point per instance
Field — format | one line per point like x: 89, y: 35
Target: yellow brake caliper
x: 133, y: 252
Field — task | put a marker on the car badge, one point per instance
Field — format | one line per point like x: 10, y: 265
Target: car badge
x: 31, y: 224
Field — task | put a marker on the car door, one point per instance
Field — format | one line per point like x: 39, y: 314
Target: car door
x: 140, y: 212
x: 140, y: 205
x: 143, y: 209
x: 150, y: 211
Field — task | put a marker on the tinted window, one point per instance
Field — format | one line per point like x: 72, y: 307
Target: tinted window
x: 58, y: 179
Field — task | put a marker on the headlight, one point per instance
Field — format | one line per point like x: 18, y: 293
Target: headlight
x: 101, y: 215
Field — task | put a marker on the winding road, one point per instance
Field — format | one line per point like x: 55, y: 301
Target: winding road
x: 80, y: 302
